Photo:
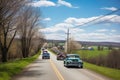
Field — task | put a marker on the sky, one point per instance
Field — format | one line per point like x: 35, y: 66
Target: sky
x: 59, y: 15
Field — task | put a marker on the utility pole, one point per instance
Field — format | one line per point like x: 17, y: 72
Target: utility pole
x: 67, y: 42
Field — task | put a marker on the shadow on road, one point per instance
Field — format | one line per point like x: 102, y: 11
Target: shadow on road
x: 40, y: 61
x: 30, y: 73
x: 73, y: 67
x: 33, y: 70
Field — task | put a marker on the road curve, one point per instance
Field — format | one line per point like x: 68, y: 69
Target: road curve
x: 54, y: 70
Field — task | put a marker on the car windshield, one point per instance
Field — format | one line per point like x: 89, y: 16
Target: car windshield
x: 46, y: 53
x: 73, y: 56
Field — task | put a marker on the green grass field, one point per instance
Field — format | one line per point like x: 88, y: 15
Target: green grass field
x: 91, y: 53
x: 108, y: 72
x: 9, y: 69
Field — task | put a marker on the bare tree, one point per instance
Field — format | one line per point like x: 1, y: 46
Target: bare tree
x: 8, y: 19
x: 28, y: 24
x: 73, y: 45
x: 39, y: 37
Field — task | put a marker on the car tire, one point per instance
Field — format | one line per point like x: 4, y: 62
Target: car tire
x: 65, y: 64
x: 80, y: 66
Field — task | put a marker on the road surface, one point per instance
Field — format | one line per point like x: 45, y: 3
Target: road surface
x: 54, y: 70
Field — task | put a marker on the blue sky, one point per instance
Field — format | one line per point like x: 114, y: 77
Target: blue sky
x: 59, y: 15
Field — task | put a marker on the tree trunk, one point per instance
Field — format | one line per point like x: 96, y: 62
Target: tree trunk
x: 4, y: 54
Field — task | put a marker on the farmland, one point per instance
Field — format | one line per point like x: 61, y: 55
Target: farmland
x: 91, y: 53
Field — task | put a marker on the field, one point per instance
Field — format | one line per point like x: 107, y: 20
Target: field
x: 92, y: 53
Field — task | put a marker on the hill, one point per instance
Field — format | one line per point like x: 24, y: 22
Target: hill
x: 112, y: 44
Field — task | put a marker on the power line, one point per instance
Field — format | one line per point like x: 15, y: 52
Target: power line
x: 98, y: 18
x: 90, y: 22
x: 108, y: 19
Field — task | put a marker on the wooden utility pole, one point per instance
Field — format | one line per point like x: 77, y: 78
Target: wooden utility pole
x: 67, y: 42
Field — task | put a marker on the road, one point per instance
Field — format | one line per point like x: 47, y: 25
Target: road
x: 54, y: 70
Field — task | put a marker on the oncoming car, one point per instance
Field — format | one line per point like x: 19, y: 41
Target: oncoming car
x: 61, y: 56
x: 45, y: 55
x: 73, y: 60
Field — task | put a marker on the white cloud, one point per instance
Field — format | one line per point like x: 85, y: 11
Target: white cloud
x: 48, y: 3
x: 115, y: 38
x: 97, y: 37
x: 58, y: 31
x: 62, y: 2
x: 56, y: 36
x: 102, y: 30
x: 47, y: 19
x: 81, y: 21
x: 94, y: 36
x: 78, y: 21
x: 76, y: 30
x: 61, y: 27
x: 113, y: 30
x: 42, y: 3
x: 109, y: 8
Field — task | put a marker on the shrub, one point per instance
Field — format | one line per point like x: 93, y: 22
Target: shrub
x: 112, y: 60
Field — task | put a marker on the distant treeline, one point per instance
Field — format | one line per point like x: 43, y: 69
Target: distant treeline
x: 112, y: 44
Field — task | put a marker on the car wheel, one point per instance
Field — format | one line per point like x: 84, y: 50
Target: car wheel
x: 65, y: 64
x: 79, y: 66
x: 82, y: 66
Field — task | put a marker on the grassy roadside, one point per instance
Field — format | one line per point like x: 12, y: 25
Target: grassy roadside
x: 9, y: 69
x: 108, y: 72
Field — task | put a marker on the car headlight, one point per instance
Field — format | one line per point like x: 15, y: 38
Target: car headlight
x: 80, y: 61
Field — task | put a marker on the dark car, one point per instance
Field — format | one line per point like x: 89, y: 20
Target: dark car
x: 61, y: 56
x: 45, y: 55
x: 43, y: 49
x: 73, y: 60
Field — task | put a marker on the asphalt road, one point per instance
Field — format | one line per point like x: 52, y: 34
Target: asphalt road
x: 54, y: 70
